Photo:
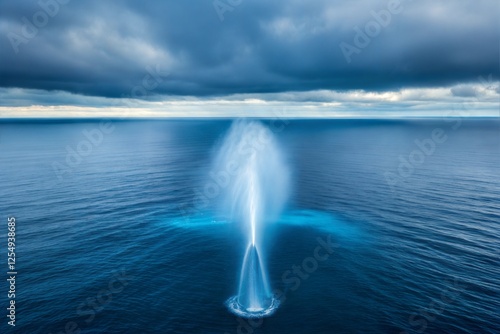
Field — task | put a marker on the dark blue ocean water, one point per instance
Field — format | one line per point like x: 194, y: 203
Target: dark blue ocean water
x: 121, y: 239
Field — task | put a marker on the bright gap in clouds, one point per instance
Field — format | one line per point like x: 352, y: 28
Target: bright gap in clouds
x: 475, y: 100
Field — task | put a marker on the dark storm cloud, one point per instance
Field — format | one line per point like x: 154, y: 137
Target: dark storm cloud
x: 102, y: 48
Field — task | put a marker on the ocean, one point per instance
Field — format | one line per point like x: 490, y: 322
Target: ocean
x: 391, y: 226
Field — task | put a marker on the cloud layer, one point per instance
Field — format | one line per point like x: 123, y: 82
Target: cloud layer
x: 205, y: 49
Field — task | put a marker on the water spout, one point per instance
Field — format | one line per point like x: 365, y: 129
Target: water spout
x: 255, y: 194
x: 254, y: 293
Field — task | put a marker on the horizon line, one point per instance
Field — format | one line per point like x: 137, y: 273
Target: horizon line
x: 350, y: 117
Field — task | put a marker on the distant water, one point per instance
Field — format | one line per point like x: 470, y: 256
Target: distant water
x: 125, y: 239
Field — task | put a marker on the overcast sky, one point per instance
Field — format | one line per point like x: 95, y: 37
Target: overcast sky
x: 249, y: 58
